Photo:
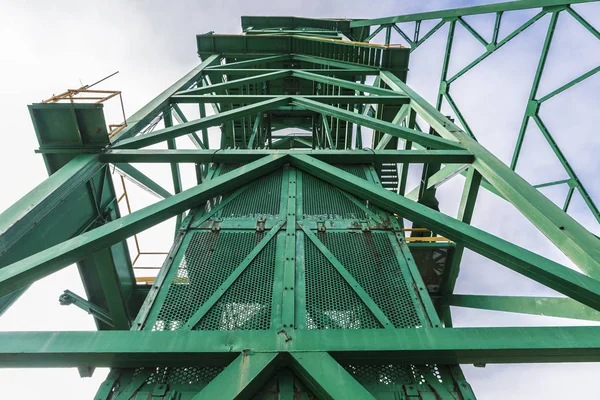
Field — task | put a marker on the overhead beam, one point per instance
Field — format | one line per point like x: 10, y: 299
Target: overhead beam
x: 30, y: 269
x: 331, y: 156
x: 133, y: 349
x: 379, y: 125
x: 360, y: 87
x: 199, y: 124
x: 545, y: 306
x: 251, y: 63
x: 219, y: 87
x: 458, y: 12
x: 321, y: 71
x: 251, y: 99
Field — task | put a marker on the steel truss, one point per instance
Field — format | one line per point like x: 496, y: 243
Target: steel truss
x: 255, y: 85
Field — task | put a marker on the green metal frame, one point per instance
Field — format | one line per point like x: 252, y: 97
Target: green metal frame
x: 554, y: 8
x: 309, y: 75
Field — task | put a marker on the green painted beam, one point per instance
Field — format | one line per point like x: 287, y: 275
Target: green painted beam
x: 250, y: 63
x: 577, y: 243
x: 39, y: 202
x: 142, y: 180
x: 458, y: 12
x: 30, y: 269
x: 546, y: 306
x: 111, y: 286
x: 493, y: 47
x: 331, y: 156
x: 175, y: 172
x: 465, y: 214
x: 236, y: 83
x: 556, y: 276
x: 251, y: 99
x: 346, y: 84
x: 196, y: 125
x: 534, y: 88
x: 400, y: 116
x: 355, y: 72
x: 23, y: 224
x: 329, y: 63
x: 438, y: 179
x: 141, y: 118
x: 132, y: 349
x: 181, y: 118
x: 376, y: 124
x: 326, y: 378
x: 242, y: 378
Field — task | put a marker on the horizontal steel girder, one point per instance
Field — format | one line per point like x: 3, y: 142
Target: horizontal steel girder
x: 454, y: 13
x: 331, y: 156
x: 251, y: 99
x: 127, y: 349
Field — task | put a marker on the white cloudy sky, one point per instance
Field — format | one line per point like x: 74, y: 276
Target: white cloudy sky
x: 47, y: 47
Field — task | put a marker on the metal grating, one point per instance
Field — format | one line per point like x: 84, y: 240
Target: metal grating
x: 184, y: 375
x: 321, y: 200
x: 225, y: 168
x: 357, y: 170
x: 209, y: 259
x: 246, y: 305
x: 370, y: 259
x: 330, y: 301
x: 379, y: 378
x: 383, y: 376
x: 262, y: 198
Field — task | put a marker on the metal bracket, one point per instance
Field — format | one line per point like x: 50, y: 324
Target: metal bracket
x: 321, y: 225
x: 364, y: 225
x: 411, y: 392
x: 216, y: 224
x: 160, y: 390
x: 260, y: 224
x: 187, y: 220
x: 97, y: 312
x: 86, y: 372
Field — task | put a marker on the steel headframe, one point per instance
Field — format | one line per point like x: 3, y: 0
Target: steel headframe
x: 306, y: 74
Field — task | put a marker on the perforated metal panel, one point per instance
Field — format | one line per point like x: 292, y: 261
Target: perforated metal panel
x: 183, y: 375
x: 370, y: 259
x: 211, y: 252
x: 246, y: 305
x: 383, y: 375
x: 209, y: 259
x: 357, y: 170
x: 262, y: 198
x: 321, y: 200
x: 330, y: 301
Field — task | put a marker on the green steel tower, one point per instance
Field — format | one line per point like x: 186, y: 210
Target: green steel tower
x: 301, y: 266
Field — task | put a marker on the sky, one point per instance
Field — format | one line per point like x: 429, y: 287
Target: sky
x: 47, y: 48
